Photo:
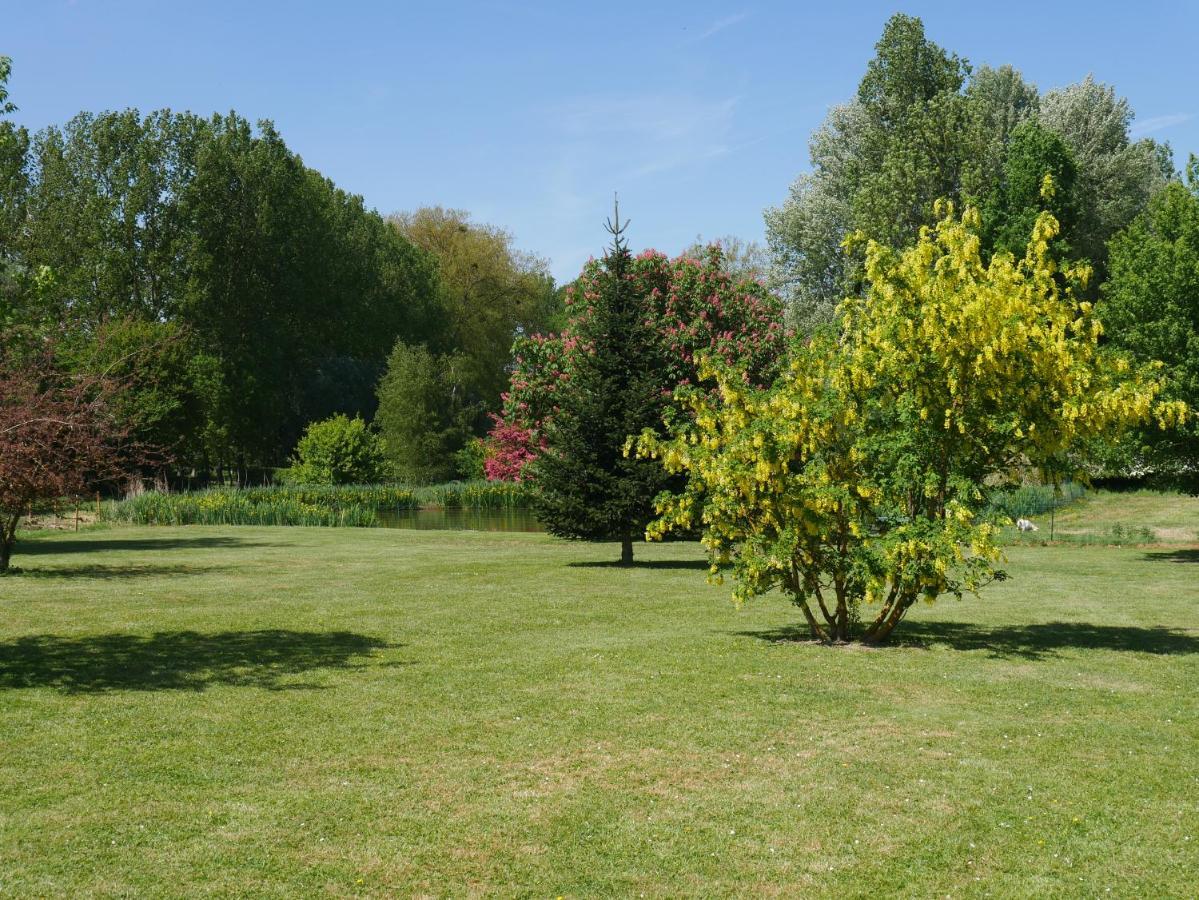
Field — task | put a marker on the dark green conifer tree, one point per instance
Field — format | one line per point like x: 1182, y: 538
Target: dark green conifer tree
x: 585, y: 486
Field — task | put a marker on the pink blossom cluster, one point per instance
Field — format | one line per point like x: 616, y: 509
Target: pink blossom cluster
x: 508, y: 449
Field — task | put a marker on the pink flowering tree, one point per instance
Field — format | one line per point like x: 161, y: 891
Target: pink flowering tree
x: 693, y: 305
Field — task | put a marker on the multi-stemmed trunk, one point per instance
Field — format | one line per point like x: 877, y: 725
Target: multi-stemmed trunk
x: 831, y: 623
x: 893, y: 611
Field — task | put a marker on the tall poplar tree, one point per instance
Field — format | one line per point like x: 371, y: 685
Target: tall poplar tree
x: 585, y: 487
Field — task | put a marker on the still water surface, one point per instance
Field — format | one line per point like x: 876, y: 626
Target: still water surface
x: 461, y: 519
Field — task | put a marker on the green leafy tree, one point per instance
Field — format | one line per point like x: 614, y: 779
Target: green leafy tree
x: 1033, y: 153
x: 913, y: 111
x: 911, y: 135
x: 925, y: 126
x: 14, y: 147
x: 339, y: 450
x: 999, y: 101
x: 584, y: 485
x: 277, y: 281
x: 158, y: 404
x: 490, y: 292
x: 1116, y: 175
x: 857, y: 483
x: 426, y: 413
x: 1150, y: 306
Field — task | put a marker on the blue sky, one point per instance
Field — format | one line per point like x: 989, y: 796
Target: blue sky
x: 531, y: 114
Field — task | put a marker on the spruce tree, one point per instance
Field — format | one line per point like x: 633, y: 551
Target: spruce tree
x: 585, y: 486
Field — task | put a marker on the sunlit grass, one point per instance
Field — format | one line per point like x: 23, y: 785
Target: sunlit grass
x: 291, y: 712
x: 1121, y: 518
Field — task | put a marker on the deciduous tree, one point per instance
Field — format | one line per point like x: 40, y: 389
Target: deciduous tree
x: 856, y: 483
x: 274, y: 279
x: 1150, y: 305
x: 490, y: 291
x: 58, y: 437
x: 427, y: 412
x: 1116, y: 175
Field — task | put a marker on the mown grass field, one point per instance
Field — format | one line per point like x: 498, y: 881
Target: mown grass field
x: 366, y: 712
x: 1166, y: 517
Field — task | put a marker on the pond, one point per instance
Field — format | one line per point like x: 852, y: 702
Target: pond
x: 461, y: 519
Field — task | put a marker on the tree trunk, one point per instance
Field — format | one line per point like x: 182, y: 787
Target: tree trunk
x: 818, y: 633
x: 8, y: 537
x: 626, y: 552
x: 881, y: 629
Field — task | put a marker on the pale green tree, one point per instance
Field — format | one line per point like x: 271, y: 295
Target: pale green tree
x: 491, y: 291
x: 1000, y: 101
x: 740, y: 259
x: 919, y: 128
x: 1116, y: 175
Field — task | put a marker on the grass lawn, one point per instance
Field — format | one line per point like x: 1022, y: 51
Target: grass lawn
x: 291, y: 711
x: 1168, y: 517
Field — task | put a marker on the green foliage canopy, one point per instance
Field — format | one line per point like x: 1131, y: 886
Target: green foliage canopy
x: 1151, y: 307
x: 267, y: 274
x: 925, y: 126
x: 427, y: 412
x: 338, y: 450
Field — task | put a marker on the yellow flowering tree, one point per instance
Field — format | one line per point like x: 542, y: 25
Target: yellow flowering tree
x: 856, y: 483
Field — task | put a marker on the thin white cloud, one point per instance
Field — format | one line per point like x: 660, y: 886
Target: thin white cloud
x: 1158, y: 123
x: 618, y: 138
x: 658, y: 118
x: 720, y: 25
x: 626, y: 142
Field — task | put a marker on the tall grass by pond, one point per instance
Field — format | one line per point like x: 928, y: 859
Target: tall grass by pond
x: 330, y: 506
x: 233, y: 507
x: 472, y: 495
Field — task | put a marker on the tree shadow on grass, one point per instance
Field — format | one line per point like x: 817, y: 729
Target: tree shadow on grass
x: 1187, y: 555
x: 695, y: 564
x: 114, y: 572
x: 1024, y: 641
x: 174, y: 541
x: 178, y: 660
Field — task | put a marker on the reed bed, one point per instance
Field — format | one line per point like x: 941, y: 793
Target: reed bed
x: 233, y: 507
x: 356, y: 506
x: 366, y: 496
x: 474, y: 495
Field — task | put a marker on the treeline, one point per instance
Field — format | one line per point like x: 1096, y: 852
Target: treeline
x: 924, y: 134
x: 241, y: 295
